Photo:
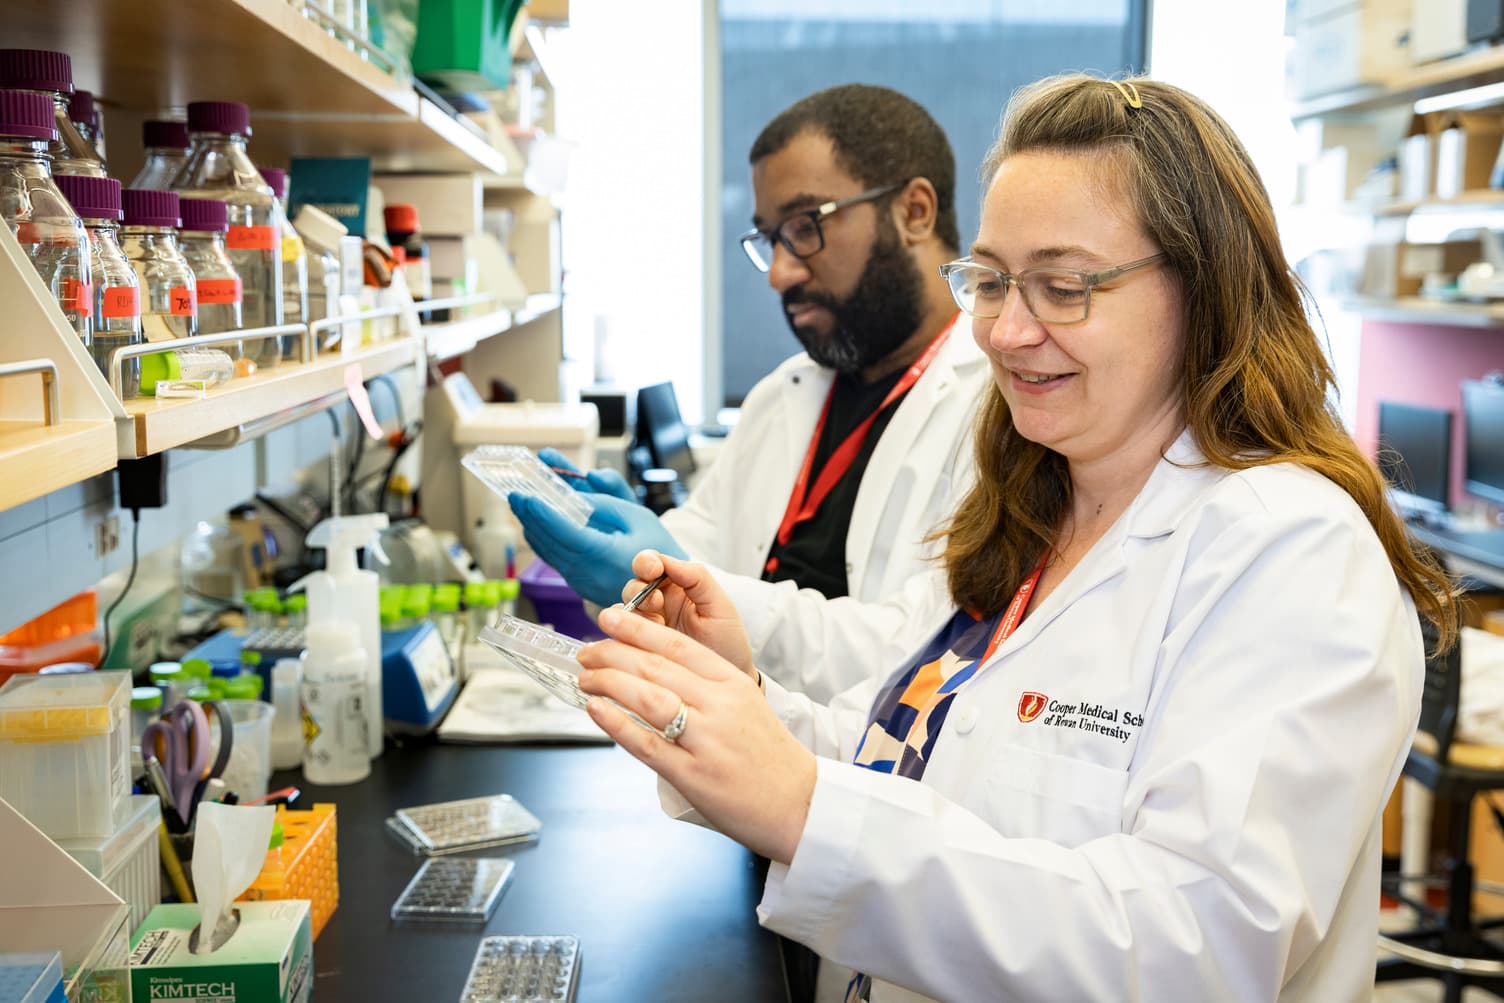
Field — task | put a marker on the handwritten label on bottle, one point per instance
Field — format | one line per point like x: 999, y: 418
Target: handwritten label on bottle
x: 252, y: 238
x: 120, y: 301
x: 182, y: 302
x: 218, y: 292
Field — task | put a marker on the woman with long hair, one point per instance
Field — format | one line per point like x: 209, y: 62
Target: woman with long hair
x: 1175, y: 673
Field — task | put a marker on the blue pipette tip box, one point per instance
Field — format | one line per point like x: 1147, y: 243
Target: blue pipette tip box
x: 33, y: 977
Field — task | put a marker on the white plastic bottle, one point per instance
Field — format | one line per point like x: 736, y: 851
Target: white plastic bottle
x: 334, y: 697
x: 344, y: 592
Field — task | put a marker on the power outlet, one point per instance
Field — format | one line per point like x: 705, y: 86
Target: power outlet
x: 107, y: 536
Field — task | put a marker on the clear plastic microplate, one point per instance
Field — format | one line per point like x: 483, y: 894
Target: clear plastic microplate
x: 455, y: 826
x: 524, y: 969
x: 505, y: 469
x: 454, y: 890
x: 547, y: 656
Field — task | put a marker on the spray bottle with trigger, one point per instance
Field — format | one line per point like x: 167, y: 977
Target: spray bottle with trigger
x: 345, y: 592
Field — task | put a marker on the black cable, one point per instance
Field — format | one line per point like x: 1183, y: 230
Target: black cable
x: 335, y: 450
x: 356, y: 454
x: 391, y: 467
x: 279, y: 509
x: 129, y: 581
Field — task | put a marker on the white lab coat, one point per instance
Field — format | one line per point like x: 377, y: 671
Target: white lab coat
x: 1220, y: 842
x: 918, y: 471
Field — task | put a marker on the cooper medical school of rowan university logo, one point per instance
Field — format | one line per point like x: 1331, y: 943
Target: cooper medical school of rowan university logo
x: 1031, y: 705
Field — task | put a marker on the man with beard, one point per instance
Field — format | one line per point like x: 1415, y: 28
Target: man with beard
x: 849, y: 454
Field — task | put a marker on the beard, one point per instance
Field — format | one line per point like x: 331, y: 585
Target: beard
x: 879, y: 315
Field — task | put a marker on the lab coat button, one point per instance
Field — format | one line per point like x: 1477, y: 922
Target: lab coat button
x: 966, y: 720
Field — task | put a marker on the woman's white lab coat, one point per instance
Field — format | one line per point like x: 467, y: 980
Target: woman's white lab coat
x: 1166, y: 786
x: 918, y: 471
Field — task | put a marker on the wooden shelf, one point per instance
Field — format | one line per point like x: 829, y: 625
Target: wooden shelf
x: 1471, y: 69
x: 36, y: 459
x: 1485, y: 198
x: 1419, y: 310
x: 451, y: 338
x: 163, y: 424
x: 309, y: 94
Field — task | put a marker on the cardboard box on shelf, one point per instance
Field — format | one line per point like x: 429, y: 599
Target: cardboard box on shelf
x: 449, y: 205
x: 1392, y: 270
x: 1466, y: 150
x: 1366, y: 43
x: 1438, y: 29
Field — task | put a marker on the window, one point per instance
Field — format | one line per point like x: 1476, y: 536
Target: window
x: 960, y: 59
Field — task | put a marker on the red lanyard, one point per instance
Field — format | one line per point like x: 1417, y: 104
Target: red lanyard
x: 1015, y: 612
x: 804, y: 503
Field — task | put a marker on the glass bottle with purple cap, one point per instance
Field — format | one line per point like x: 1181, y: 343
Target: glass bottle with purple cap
x: 218, y: 167
x: 117, y: 292
x: 166, y: 146
x: 52, y: 74
x: 46, y: 226
x: 294, y: 255
x: 202, y: 237
x: 169, y: 293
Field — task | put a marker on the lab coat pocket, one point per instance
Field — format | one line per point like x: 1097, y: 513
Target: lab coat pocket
x: 1033, y: 794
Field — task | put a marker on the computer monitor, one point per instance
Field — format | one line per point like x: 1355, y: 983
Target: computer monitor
x: 1415, y: 449
x: 1483, y: 439
x: 662, y: 431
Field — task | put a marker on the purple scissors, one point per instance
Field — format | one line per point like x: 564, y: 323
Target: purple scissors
x: 184, y: 738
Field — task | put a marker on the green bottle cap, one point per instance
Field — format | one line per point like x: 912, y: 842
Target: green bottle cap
x: 249, y: 656
x: 511, y: 588
x: 157, y: 367
x: 146, y: 698
x: 198, y: 668
x: 200, y: 694
x: 446, y: 602
x: 243, y: 688
x: 475, y: 595
x: 166, y: 672
x: 278, y: 836
x: 416, y: 605
x: 493, y: 594
x: 295, y: 603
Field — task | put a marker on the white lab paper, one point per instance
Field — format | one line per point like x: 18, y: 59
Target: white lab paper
x: 229, y: 849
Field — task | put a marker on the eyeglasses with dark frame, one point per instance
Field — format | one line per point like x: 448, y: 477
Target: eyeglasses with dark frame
x: 800, y: 234
x: 1053, y: 295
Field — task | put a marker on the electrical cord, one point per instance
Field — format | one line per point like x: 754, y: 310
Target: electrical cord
x: 129, y: 581
x: 386, y: 479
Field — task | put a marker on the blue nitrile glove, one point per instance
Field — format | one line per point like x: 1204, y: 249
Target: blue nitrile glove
x: 595, y: 559
x: 604, y: 481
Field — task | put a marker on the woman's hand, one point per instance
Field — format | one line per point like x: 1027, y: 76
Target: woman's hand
x: 734, y: 761
x: 693, y: 603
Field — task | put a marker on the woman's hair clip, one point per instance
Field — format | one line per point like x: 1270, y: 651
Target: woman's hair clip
x: 1129, y: 92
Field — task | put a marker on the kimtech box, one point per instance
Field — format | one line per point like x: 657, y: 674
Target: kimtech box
x: 268, y: 959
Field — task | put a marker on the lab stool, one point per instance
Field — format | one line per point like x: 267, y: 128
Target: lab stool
x: 1449, y: 944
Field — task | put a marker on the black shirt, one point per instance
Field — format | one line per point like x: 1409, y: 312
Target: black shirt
x: 815, y: 556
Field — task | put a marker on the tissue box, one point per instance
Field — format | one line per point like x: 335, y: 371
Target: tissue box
x: 269, y: 959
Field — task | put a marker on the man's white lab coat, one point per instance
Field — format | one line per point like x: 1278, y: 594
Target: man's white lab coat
x: 918, y: 471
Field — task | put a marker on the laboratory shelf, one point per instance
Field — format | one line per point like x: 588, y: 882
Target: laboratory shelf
x: 164, y: 424
x: 452, y: 338
x: 1419, y: 310
x: 1445, y: 76
x: 308, y: 92
x: 36, y: 459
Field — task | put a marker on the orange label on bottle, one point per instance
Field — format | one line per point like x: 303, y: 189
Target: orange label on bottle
x: 252, y: 238
x: 28, y: 233
x: 218, y: 292
x: 399, y: 253
x: 182, y: 302
x: 120, y: 301
x: 77, y: 296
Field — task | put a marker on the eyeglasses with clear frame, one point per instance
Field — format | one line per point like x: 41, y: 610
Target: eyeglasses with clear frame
x: 1053, y: 295
x: 800, y: 234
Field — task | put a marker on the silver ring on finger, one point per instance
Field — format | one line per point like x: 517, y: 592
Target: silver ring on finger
x: 675, y: 728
